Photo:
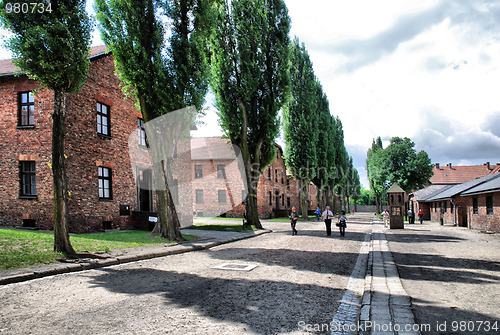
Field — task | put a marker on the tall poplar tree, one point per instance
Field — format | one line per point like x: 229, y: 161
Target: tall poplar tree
x: 163, y: 76
x: 250, y: 79
x: 300, y: 119
x: 51, y: 44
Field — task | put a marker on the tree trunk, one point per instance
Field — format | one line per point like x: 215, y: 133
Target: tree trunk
x: 252, y: 176
x: 303, y: 198
x: 61, y: 234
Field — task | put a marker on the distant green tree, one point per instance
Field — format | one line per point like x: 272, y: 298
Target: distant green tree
x: 377, y: 175
x: 250, y: 80
x: 398, y: 163
x: 163, y: 76
x: 411, y: 170
x: 53, y: 48
x: 300, y: 120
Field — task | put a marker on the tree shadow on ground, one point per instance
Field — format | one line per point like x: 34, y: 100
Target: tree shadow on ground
x: 338, y: 263
x: 261, y: 306
x: 440, y: 320
x: 446, y: 269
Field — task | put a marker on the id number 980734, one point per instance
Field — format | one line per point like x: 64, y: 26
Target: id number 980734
x: 31, y: 7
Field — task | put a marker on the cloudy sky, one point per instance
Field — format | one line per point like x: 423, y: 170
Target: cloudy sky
x: 425, y: 69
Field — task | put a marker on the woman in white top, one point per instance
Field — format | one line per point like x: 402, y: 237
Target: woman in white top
x: 341, y: 224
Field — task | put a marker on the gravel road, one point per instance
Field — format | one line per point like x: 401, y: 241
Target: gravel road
x: 297, y: 279
x: 452, y: 275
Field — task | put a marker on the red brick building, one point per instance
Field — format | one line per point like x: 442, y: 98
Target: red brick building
x: 219, y: 188
x: 100, y: 123
x: 458, y: 198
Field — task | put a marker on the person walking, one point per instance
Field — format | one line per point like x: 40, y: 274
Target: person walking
x: 410, y: 217
x: 420, y: 216
x: 385, y: 214
x: 342, y: 223
x: 294, y: 216
x: 318, y: 213
x: 327, y: 217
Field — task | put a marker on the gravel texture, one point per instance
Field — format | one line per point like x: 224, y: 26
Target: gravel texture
x: 299, y: 280
x: 452, y: 275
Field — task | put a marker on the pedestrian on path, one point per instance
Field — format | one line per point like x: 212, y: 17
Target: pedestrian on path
x: 318, y: 213
x: 410, y: 217
x: 327, y: 217
x: 420, y: 216
x: 294, y: 216
x: 385, y: 214
x: 342, y: 223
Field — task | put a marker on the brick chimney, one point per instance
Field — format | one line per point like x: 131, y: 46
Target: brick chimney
x: 437, y: 166
x: 487, y: 164
x: 449, y: 165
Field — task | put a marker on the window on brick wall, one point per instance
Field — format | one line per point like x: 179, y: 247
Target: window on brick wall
x: 269, y: 173
x: 270, y: 199
x: 489, y: 204
x: 198, y: 171
x: 475, y: 206
x: 141, y: 133
x: 282, y: 178
x: 221, y: 194
x: 288, y: 184
x: 221, y: 171
x: 28, y: 179
x: 282, y: 200
x: 199, y: 197
x: 103, y: 124
x: 105, y: 183
x: 276, y: 175
x: 26, y: 109
x: 288, y: 201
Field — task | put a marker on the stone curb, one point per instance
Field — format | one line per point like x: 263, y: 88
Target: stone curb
x: 60, y: 268
x: 384, y: 299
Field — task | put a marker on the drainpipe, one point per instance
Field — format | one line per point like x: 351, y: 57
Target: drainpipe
x: 454, y: 212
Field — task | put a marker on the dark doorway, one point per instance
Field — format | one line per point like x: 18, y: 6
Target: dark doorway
x: 145, y: 189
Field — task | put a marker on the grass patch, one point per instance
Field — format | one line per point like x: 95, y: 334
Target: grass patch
x: 216, y: 218
x: 221, y: 227
x: 25, y: 248
x: 287, y: 219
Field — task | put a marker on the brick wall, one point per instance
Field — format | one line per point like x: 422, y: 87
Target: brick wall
x: 85, y: 149
x: 19, y: 144
x: 482, y: 220
x: 272, y: 190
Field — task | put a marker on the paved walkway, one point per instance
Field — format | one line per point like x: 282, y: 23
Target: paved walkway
x: 375, y: 302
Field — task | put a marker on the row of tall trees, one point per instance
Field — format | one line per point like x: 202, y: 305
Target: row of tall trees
x: 162, y: 49
x: 315, y: 149
x: 398, y: 163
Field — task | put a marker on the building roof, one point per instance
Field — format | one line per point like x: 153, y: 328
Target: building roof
x: 452, y: 175
x: 207, y: 148
x: 492, y: 185
x: 395, y: 188
x: 458, y: 189
x: 9, y: 69
x: 429, y: 191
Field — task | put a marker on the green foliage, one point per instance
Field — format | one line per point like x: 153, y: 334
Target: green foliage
x: 301, y: 115
x: 167, y: 75
x: 51, y: 47
x: 398, y: 163
x: 250, y: 76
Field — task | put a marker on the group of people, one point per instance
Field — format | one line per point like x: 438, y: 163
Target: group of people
x: 327, y: 217
x: 411, y: 219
